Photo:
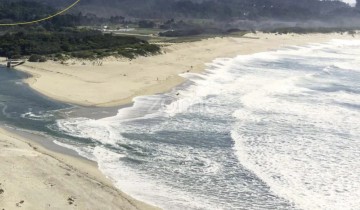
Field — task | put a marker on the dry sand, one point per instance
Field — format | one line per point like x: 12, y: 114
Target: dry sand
x: 34, y: 178
x: 116, y: 82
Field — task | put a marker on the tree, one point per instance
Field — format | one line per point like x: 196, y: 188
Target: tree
x: 146, y: 24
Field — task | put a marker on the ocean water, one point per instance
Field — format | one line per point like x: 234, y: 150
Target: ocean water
x: 273, y: 130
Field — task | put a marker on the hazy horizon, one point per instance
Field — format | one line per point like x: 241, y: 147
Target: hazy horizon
x: 352, y: 2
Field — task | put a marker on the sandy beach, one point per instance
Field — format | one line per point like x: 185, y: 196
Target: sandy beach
x: 32, y: 177
x: 114, y: 81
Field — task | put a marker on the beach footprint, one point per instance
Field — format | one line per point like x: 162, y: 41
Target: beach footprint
x: 71, y: 200
x: 20, y: 203
x: 2, y: 191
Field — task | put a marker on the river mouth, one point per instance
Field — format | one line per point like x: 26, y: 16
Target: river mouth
x: 18, y: 101
x: 31, y: 114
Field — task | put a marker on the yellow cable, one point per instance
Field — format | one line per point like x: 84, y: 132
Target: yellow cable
x: 43, y: 19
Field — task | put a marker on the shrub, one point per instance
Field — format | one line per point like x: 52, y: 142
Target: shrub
x: 37, y: 58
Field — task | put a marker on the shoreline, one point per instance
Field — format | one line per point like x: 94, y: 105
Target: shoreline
x: 44, y: 76
x: 117, y: 81
x: 56, y: 180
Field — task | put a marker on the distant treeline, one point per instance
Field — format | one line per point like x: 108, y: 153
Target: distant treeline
x: 60, y: 38
x: 22, y: 11
x: 80, y: 44
x: 217, y: 9
x: 189, y: 14
x: 207, y: 9
x: 301, y: 30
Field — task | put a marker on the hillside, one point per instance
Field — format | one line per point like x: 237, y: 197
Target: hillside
x: 24, y: 11
x: 211, y: 9
x: 334, y: 13
x: 59, y: 38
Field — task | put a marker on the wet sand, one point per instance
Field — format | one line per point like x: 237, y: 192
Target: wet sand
x: 33, y: 177
x: 37, y: 177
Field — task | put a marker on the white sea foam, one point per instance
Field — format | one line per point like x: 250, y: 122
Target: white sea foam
x: 37, y: 117
x: 303, y: 147
x: 148, y: 190
x: 296, y: 127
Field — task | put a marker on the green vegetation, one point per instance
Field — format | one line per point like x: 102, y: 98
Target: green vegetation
x: 146, y: 10
x: 79, y: 44
x: 37, y: 58
x: 22, y: 11
x: 71, y: 35
x: 59, y: 37
x: 217, y: 9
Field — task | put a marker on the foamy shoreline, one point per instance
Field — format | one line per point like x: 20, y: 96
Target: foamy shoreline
x: 33, y: 177
x: 113, y: 82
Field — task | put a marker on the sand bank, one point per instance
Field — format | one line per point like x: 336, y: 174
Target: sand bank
x: 113, y: 82
x: 32, y: 177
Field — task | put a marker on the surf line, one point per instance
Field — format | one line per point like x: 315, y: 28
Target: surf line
x: 42, y: 19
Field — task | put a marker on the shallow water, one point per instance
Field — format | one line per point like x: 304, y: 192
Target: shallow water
x: 274, y: 130
x: 23, y: 107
